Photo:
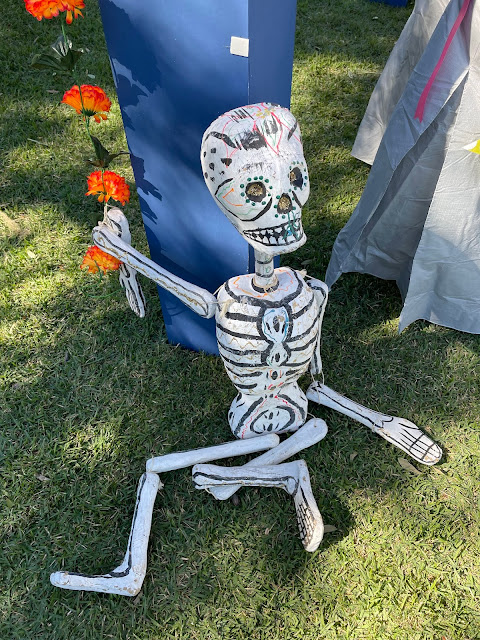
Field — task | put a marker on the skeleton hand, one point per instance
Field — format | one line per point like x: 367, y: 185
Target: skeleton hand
x: 116, y: 221
x: 400, y: 432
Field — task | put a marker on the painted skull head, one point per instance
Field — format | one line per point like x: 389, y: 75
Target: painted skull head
x: 253, y: 164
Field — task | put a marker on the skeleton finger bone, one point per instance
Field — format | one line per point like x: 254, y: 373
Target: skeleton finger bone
x: 133, y: 290
x: 127, y: 578
x: 293, y: 477
x: 312, y: 432
x: 116, y: 221
x: 182, y: 459
x: 398, y: 431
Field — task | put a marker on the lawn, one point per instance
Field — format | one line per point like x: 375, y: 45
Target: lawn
x: 89, y: 392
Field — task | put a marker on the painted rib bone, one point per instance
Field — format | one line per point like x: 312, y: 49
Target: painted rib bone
x: 398, y: 431
x: 293, y: 477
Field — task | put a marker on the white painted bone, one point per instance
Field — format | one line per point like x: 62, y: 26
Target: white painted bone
x: 291, y: 476
x: 312, y: 432
x: 199, y: 300
x: 398, y: 431
x: 320, y: 291
x: 127, y: 578
x: 183, y: 459
x: 118, y: 224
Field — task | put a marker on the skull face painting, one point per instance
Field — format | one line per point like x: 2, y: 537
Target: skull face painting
x: 253, y: 164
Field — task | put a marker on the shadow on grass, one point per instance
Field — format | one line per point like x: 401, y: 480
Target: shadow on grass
x: 88, y: 422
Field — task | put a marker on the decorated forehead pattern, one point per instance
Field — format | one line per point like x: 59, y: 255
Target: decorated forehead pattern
x: 263, y: 126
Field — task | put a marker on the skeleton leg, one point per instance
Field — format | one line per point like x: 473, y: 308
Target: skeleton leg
x: 126, y: 579
x: 312, y: 432
x: 182, y: 459
x: 118, y: 224
x: 398, y: 431
x: 291, y: 476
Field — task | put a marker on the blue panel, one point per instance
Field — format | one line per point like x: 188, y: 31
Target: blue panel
x: 271, y: 26
x: 174, y: 75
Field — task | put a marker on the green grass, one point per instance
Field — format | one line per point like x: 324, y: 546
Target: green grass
x: 89, y: 391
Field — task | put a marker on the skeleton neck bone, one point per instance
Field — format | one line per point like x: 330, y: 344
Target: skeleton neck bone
x: 264, y: 272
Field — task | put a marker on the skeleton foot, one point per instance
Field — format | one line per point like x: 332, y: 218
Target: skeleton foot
x: 126, y: 579
x: 291, y: 476
x: 398, y: 431
x: 312, y: 432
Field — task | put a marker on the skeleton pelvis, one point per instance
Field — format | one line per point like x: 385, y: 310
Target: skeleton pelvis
x: 284, y: 410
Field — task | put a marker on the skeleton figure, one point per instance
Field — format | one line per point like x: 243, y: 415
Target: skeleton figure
x: 268, y: 331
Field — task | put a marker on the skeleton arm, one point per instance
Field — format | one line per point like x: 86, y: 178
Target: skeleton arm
x: 199, y: 300
x: 320, y: 291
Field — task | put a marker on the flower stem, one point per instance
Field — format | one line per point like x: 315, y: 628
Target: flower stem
x: 86, y: 119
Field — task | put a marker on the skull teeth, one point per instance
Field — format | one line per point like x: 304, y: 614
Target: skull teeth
x: 276, y: 235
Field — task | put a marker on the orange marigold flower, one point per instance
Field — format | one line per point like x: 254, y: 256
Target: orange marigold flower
x: 108, y: 185
x: 97, y: 260
x: 72, y: 8
x: 50, y: 8
x: 44, y: 8
x: 94, y: 99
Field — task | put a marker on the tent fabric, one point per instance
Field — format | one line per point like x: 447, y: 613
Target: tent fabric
x: 405, y: 54
x: 418, y: 220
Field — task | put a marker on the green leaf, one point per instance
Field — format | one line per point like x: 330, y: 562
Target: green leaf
x: 100, y: 151
x: 103, y: 156
x: 59, y: 57
x: 46, y: 61
x: 405, y: 464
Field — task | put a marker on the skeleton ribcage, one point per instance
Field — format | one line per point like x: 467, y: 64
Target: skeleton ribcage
x: 266, y: 339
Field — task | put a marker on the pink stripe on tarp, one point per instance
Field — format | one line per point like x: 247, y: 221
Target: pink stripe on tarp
x: 423, y: 98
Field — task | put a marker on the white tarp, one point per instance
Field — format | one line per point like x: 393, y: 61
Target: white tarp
x: 391, y: 84
x: 418, y: 220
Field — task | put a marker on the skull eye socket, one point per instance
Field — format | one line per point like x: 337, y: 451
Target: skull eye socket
x: 256, y: 191
x: 284, y: 204
x: 296, y: 177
